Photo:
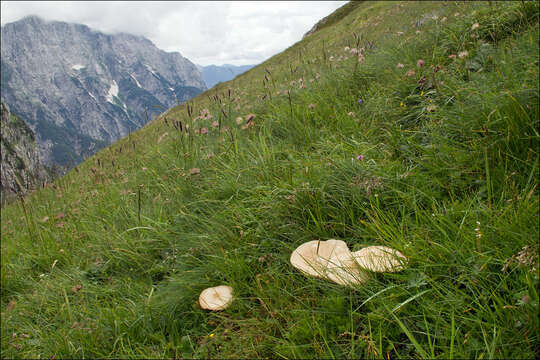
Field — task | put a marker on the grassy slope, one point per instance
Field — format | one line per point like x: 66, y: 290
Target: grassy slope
x: 454, y: 188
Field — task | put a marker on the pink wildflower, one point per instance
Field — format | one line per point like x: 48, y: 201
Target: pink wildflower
x: 400, y: 66
x: 420, y: 63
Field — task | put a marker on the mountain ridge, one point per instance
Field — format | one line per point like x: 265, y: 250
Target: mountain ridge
x: 213, y: 74
x: 92, y: 88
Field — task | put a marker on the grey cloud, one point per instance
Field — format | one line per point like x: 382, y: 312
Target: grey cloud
x: 205, y: 32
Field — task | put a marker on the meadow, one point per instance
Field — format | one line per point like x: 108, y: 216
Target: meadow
x: 412, y: 125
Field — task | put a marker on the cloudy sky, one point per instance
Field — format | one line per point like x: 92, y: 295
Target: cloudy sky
x: 213, y: 32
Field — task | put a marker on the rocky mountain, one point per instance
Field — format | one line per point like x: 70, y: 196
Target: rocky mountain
x: 80, y: 89
x: 21, y: 169
x: 213, y: 74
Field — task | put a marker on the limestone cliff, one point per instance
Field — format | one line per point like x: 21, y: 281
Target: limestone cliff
x: 21, y: 169
x: 80, y: 90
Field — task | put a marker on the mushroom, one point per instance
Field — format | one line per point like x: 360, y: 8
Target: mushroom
x: 312, y: 257
x: 345, y: 271
x: 216, y: 298
x: 380, y: 259
x: 329, y: 259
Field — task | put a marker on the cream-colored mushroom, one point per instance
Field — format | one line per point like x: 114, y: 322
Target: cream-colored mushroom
x: 344, y: 271
x: 380, y: 259
x: 330, y: 259
x: 312, y: 257
x: 306, y: 259
x: 216, y: 298
x: 333, y: 249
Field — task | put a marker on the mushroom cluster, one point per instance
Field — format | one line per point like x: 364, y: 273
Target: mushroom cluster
x: 330, y: 259
x: 333, y: 260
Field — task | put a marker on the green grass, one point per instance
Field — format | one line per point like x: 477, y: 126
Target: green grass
x: 449, y: 177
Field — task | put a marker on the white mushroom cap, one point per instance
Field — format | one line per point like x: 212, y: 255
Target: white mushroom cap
x: 345, y: 271
x: 380, y: 259
x: 332, y: 248
x: 216, y: 298
x: 333, y: 261
x: 312, y: 257
x: 305, y: 259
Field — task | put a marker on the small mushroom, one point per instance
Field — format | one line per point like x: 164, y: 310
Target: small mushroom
x: 312, y: 257
x: 380, y: 259
x: 216, y: 298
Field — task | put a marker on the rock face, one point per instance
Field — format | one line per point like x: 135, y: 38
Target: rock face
x: 21, y: 169
x: 80, y: 89
x: 213, y: 74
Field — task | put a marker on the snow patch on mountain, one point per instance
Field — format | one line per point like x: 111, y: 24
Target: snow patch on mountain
x: 136, y: 82
x: 113, y: 92
x: 150, y: 69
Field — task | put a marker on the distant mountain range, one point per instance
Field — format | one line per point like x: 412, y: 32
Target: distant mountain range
x: 80, y: 89
x: 213, y: 74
